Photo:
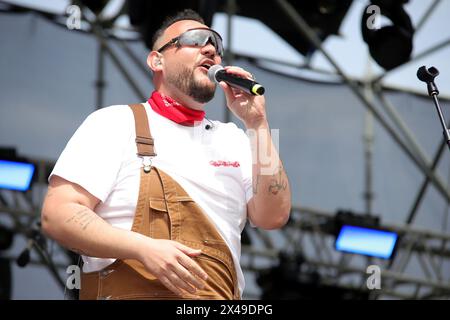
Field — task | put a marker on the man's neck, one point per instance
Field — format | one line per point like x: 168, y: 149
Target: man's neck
x: 181, y: 98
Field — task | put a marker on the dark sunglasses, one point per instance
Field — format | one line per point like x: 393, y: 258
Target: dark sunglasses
x: 197, y: 37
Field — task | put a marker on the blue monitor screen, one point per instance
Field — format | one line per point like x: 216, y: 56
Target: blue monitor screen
x: 369, y: 242
x: 15, y: 175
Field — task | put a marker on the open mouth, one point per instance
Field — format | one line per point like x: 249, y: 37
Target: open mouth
x: 206, y: 66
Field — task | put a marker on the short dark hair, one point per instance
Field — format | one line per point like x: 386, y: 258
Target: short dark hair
x: 186, y: 14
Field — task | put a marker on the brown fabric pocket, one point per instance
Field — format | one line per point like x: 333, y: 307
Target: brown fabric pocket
x: 158, y: 204
x: 159, y: 224
x: 220, y: 279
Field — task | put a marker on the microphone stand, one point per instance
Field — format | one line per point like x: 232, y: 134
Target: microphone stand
x: 37, y: 241
x: 427, y: 76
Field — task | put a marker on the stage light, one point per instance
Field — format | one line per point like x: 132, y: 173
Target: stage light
x: 391, y: 45
x: 324, y: 16
x: 16, y: 175
x: 365, y: 241
x: 363, y: 235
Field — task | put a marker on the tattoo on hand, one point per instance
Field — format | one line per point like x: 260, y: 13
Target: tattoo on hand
x: 83, y: 217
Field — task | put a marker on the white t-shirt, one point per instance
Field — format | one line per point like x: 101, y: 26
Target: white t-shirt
x: 214, y: 167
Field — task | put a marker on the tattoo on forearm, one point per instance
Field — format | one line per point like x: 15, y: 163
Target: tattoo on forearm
x: 277, y: 184
x: 83, y: 218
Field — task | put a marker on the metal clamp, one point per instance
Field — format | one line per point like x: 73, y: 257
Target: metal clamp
x: 147, y: 164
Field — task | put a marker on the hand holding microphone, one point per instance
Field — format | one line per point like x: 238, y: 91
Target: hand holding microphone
x: 217, y: 74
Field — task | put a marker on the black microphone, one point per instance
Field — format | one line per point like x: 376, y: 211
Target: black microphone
x: 209, y: 126
x: 217, y: 73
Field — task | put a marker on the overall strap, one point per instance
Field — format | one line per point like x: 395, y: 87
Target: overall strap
x: 145, y: 145
x: 144, y: 141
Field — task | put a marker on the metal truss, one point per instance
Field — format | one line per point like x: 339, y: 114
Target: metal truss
x: 308, y: 234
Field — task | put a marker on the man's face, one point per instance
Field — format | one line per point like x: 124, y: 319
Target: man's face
x: 183, y: 64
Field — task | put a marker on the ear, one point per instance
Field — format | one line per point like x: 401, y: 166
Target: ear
x: 155, y: 61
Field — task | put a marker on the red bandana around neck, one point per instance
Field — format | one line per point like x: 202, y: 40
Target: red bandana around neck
x: 172, y: 110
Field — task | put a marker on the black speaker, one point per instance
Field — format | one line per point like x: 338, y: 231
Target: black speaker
x: 392, y: 45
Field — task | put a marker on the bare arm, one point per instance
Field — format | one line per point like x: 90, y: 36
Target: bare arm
x: 270, y: 205
x: 68, y: 217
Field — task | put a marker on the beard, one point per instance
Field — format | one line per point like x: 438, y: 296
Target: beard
x: 184, y: 80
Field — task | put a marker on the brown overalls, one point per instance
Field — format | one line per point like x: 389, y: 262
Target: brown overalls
x: 164, y: 211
